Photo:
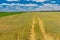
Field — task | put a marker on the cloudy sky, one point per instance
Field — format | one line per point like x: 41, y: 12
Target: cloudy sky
x: 29, y: 5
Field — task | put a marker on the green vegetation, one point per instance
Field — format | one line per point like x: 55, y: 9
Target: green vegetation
x: 2, y: 14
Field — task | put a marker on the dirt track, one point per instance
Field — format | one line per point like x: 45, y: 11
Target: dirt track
x: 46, y: 36
x: 43, y: 30
x: 32, y: 36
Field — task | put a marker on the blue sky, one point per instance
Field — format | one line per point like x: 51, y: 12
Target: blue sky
x: 29, y: 1
x: 29, y: 5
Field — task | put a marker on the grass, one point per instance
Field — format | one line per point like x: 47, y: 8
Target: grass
x: 14, y: 25
x: 2, y: 14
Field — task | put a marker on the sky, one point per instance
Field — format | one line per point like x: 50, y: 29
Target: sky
x: 30, y: 1
x: 29, y: 5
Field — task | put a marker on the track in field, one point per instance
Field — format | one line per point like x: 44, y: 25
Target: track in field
x: 46, y: 36
x: 43, y: 31
x: 33, y: 36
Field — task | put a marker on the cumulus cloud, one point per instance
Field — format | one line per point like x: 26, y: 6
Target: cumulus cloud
x: 19, y: 4
x: 30, y: 7
x: 12, y: 0
x: 16, y: 8
x: 28, y: 4
x: 40, y: 0
x: 48, y: 4
x: 49, y: 7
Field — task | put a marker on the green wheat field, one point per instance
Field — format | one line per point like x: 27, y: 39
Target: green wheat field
x: 29, y: 25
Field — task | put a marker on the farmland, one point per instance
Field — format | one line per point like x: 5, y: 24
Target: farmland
x: 30, y: 26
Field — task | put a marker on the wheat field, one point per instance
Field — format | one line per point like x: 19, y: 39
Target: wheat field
x: 30, y: 26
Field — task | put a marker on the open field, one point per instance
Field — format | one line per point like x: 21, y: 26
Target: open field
x: 30, y: 26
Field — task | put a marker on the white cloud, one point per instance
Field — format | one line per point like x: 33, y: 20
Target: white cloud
x: 20, y: 7
x: 40, y: 0
x: 19, y: 4
x: 12, y: 0
x: 48, y: 7
x: 28, y: 4
x: 31, y: 7
x: 51, y: 4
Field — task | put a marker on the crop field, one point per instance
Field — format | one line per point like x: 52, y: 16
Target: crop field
x: 30, y: 26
